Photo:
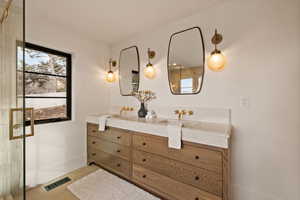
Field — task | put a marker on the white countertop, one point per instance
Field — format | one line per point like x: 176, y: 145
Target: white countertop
x: 208, y: 133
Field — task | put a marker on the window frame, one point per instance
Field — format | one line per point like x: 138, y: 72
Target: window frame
x: 182, y: 88
x: 68, y: 78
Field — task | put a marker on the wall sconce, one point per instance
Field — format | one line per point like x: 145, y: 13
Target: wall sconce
x: 216, y: 61
x: 150, y: 71
x: 110, y: 75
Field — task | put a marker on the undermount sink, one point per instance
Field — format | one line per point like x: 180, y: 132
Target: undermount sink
x: 123, y: 117
x: 137, y: 119
x: 205, y: 126
x: 186, y: 124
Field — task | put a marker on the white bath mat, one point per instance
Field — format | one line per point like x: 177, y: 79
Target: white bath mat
x: 102, y: 185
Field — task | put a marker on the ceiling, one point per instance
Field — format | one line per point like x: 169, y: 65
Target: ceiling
x: 112, y: 21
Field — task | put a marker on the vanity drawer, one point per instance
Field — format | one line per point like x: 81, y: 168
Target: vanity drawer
x: 115, y: 135
x: 109, y: 147
x: 168, y: 187
x: 185, y: 173
x: 92, y: 130
x: 112, y: 163
x: 194, y: 155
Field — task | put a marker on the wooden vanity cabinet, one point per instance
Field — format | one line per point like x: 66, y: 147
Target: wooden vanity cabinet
x: 195, y: 172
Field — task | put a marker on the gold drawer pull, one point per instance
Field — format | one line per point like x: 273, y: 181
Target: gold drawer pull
x: 118, y: 151
x: 197, y: 178
x: 119, y: 137
x: 144, y: 143
x: 197, y: 157
x: 94, y: 154
x: 93, y: 142
x: 94, y: 131
x: 118, y: 165
x: 144, y: 160
x: 144, y: 176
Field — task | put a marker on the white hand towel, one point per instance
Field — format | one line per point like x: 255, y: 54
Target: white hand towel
x: 174, y: 135
x: 102, y: 122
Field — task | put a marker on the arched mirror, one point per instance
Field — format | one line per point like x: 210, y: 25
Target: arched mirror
x: 186, y: 58
x: 129, y: 71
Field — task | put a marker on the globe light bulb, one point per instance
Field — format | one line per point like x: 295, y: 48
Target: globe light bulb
x: 150, y: 71
x: 110, y: 77
x: 217, y: 61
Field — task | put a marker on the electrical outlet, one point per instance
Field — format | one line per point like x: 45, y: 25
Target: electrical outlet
x: 245, y: 102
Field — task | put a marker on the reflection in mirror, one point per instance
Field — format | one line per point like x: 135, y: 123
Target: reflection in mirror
x: 186, y: 59
x: 129, y: 69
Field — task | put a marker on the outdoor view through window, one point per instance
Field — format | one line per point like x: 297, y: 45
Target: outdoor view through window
x: 47, y: 83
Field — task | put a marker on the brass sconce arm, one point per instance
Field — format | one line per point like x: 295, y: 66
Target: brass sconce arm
x: 110, y: 76
x: 217, y: 60
x: 150, y: 71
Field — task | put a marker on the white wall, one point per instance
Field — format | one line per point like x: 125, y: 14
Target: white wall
x: 261, y: 41
x: 58, y: 148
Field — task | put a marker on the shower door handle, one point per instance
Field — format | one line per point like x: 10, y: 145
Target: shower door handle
x: 13, y: 127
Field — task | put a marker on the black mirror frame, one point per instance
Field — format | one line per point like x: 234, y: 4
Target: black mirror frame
x: 203, y: 48
x: 139, y: 66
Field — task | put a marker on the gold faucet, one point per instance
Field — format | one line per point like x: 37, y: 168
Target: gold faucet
x: 181, y: 113
x: 125, y: 108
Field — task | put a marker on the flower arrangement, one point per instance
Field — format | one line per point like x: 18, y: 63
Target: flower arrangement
x: 144, y: 96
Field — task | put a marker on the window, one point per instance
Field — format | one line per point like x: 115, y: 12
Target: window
x: 47, y: 83
x: 187, y: 85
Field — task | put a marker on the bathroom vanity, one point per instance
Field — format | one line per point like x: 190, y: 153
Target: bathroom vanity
x: 137, y: 150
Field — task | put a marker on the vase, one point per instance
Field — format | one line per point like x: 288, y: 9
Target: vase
x: 142, y: 111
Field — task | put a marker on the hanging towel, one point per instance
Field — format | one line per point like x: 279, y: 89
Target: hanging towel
x: 102, y: 122
x: 174, y: 135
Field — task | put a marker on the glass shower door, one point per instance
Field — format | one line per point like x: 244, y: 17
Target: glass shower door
x: 12, y: 141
